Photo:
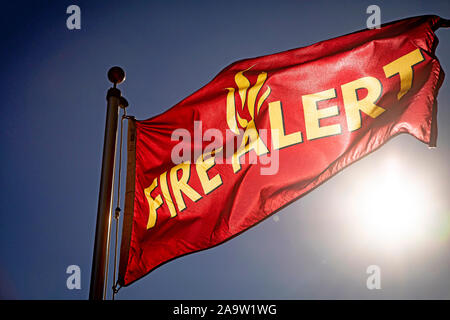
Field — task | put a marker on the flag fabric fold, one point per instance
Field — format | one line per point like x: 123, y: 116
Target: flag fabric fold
x: 267, y: 130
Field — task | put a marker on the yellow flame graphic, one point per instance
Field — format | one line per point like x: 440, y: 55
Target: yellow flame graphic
x: 247, y: 94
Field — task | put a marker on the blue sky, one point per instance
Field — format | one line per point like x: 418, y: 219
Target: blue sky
x: 53, y: 87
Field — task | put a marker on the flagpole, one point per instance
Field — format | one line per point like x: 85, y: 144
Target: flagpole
x: 101, y: 246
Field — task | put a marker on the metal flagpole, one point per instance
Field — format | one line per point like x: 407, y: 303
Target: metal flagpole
x: 101, y: 246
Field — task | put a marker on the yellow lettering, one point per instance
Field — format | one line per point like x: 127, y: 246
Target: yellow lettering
x: 203, y: 165
x: 353, y: 106
x: 313, y: 115
x: 250, y: 141
x: 166, y: 194
x: 180, y: 186
x: 403, y: 66
x: 279, y: 137
x: 153, y: 204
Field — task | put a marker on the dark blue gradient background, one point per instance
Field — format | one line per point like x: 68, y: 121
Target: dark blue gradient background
x: 53, y: 85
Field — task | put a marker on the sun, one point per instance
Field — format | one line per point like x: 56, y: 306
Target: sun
x: 392, y: 207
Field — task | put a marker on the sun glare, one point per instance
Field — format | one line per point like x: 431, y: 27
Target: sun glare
x: 391, y: 207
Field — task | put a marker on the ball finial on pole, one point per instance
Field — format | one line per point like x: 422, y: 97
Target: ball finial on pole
x: 116, y: 75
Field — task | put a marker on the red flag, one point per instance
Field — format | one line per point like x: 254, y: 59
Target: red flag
x: 267, y: 130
